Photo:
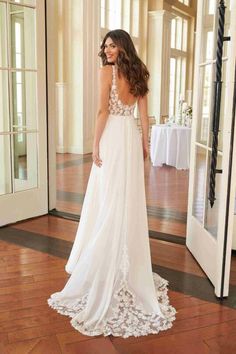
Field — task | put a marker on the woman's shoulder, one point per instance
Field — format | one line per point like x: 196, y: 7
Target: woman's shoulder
x: 106, y: 72
x: 106, y: 69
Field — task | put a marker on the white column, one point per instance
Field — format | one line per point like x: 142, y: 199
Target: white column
x: 78, y: 42
x: 159, y: 41
x: 81, y: 72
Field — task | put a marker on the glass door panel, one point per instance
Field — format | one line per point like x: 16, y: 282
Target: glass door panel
x: 22, y: 33
x: 5, y: 163
x: 23, y: 138
x: 206, y: 223
x: 25, y: 161
x: 3, y: 35
x: 205, y: 102
x: 212, y: 214
x: 199, y: 183
x: 4, y: 102
x: 24, y: 99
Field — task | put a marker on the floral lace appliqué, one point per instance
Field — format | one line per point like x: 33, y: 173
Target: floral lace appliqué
x: 116, y: 107
x: 128, y: 318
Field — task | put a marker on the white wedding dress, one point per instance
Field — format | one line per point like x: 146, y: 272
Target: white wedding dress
x: 112, y: 290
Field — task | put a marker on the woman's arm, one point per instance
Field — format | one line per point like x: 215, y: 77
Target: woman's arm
x: 142, y: 106
x: 103, y: 110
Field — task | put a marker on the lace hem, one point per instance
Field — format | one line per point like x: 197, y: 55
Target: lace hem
x: 128, y: 318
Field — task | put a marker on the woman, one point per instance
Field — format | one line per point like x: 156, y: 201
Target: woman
x: 112, y: 289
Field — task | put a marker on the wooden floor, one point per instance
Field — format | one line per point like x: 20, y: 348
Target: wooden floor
x: 166, y: 192
x: 33, y: 255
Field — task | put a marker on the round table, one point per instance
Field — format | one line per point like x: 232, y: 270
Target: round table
x: 170, y: 145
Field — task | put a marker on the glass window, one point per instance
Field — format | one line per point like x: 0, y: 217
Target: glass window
x: 179, y: 22
x: 185, y: 2
x: 172, y: 87
x: 3, y: 35
x: 103, y: 9
x: 173, y: 33
x: 22, y: 33
x: 126, y: 15
x: 123, y: 14
x: 211, y: 6
x: 5, y: 163
x: 4, y: 102
x: 212, y: 214
x: 209, y: 45
x: 199, y: 184
x: 114, y: 14
x: 178, y: 64
x: 135, y: 18
x: 185, y: 35
x: 177, y: 84
x: 206, y: 77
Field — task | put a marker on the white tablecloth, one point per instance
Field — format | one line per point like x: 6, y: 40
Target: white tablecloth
x: 170, y: 145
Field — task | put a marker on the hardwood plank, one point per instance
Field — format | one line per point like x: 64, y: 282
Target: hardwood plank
x: 39, y: 331
x: 47, y: 345
x: 96, y: 346
x: 70, y: 337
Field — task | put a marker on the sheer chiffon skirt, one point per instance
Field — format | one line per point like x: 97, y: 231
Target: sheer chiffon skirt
x: 112, y: 289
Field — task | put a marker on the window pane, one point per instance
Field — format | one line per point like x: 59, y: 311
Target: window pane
x: 5, y: 163
x: 135, y: 20
x: 177, y: 85
x: 211, y: 6
x: 226, y: 43
x: 209, y: 45
x: 206, y: 78
x: 179, y: 33
x: 3, y: 36
x: 126, y: 15
x: 22, y: 37
x: 183, y: 77
x: 185, y: 2
x: 24, y: 100
x: 4, y: 108
x: 103, y: 13
x: 185, y: 35
x: 114, y: 14
x: 212, y: 213
x: 173, y: 33
x: 199, y: 183
x: 172, y: 87
x: 25, y: 161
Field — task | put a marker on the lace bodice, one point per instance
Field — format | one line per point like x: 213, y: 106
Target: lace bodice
x: 116, y: 107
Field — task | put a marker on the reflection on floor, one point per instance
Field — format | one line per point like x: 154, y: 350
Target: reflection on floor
x: 166, y: 192
x: 33, y: 255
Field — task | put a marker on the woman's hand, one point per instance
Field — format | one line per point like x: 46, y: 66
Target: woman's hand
x: 145, y: 150
x: 96, y: 157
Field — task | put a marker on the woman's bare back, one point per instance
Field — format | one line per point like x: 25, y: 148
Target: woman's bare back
x: 123, y: 89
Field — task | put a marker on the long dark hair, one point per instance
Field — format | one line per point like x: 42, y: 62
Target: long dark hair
x: 128, y: 62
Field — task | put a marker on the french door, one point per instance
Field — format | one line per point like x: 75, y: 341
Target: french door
x: 210, y: 223
x: 23, y: 137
